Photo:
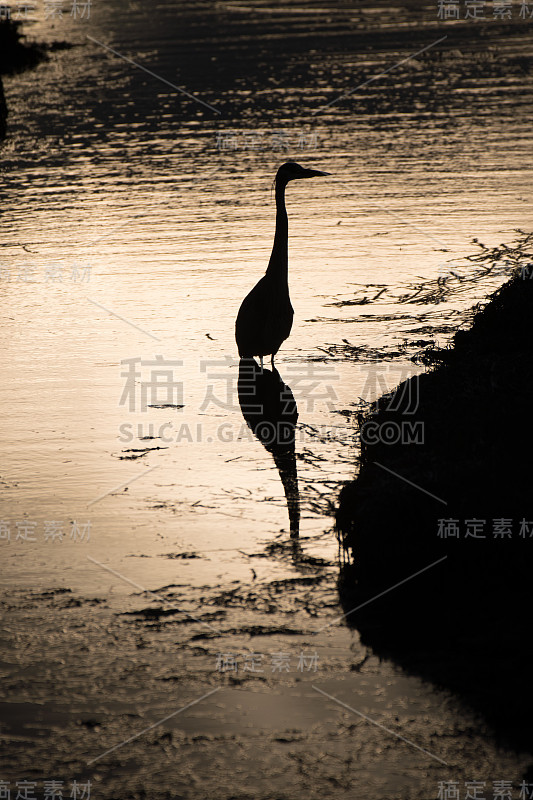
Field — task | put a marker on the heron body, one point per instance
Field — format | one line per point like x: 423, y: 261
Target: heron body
x: 265, y: 317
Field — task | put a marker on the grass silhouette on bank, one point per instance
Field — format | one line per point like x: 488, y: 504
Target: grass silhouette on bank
x: 465, y: 622
x: 16, y: 55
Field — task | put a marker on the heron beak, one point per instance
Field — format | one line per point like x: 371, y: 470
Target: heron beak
x: 315, y: 173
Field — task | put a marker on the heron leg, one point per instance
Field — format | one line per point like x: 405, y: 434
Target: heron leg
x: 272, y: 361
x: 261, y: 360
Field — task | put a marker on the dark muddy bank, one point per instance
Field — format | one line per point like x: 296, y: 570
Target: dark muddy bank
x: 464, y: 622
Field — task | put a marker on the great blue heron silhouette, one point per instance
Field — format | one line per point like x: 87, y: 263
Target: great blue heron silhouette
x: 265, y: 317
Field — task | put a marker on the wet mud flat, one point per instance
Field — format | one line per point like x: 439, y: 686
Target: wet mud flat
x: 129, y: 697
x: 465, y: 620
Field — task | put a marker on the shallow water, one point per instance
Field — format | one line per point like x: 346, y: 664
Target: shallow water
x: 166, y: 206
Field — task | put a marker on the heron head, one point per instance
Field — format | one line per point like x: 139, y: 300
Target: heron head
x: 290, y: 171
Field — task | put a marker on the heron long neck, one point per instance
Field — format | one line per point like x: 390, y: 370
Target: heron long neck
x: 278, y: 265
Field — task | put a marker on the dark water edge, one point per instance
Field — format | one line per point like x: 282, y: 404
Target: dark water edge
x: 465, y: 622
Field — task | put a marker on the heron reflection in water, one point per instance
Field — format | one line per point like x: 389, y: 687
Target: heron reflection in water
x: 269, y: 409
